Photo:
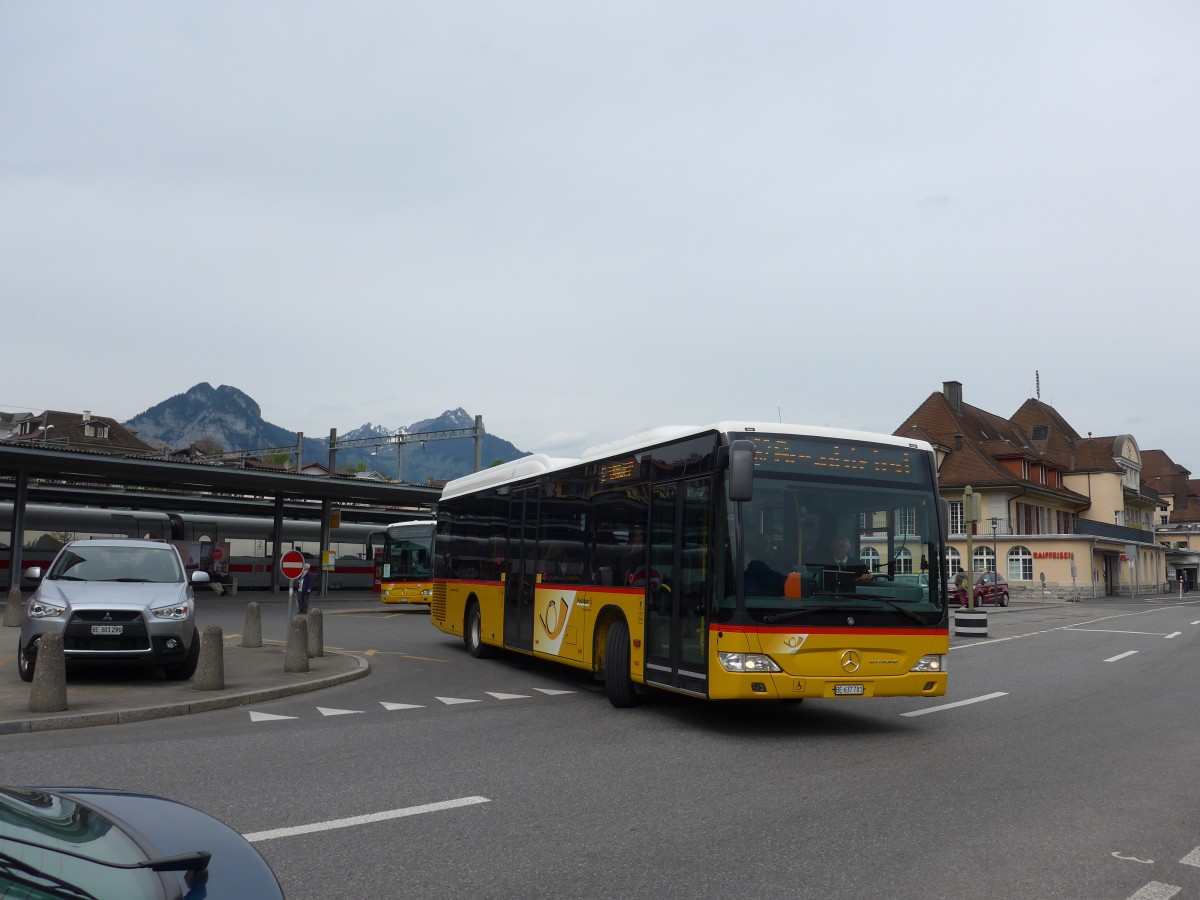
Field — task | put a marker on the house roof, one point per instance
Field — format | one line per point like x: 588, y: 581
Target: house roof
x: 58, y: 428
x: 975, y: 441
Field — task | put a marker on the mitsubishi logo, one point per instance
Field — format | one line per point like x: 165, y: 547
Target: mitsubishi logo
x: 108, y: 617
x: 851, y: 661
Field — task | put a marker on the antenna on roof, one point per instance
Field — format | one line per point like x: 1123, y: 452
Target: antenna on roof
x: 1037, y: 380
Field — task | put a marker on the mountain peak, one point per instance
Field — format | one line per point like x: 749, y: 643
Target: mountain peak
x: 234, y: 420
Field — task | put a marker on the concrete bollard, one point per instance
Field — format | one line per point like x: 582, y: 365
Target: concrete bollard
x: 49, y: 693
x: 316, y: 633
x: 14, y: 609
x: 971, y: 622
x: 297, y: 647
x: 210, y: 669
x: 252, y: 633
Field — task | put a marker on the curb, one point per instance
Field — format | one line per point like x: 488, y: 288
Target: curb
x: 187, y: 707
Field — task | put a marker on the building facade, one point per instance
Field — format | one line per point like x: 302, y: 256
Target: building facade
x: 1062, y: 515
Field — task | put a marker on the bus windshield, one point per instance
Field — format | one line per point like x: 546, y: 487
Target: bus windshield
x: 842, y: 539
x: 406, y: 552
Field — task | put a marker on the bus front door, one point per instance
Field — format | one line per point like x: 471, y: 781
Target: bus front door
x: 520, y: 569
x: 677, y: 592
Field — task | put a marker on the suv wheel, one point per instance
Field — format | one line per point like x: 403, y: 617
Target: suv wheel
x: 25, y: 663
x: 186, y: 669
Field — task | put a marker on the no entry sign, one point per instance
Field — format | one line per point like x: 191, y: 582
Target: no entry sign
x: 292, y: 565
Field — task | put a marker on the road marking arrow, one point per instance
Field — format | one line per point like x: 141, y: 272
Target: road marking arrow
x: 266, y: 717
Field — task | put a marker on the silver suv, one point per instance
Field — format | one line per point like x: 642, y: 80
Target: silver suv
x: 115, y: 601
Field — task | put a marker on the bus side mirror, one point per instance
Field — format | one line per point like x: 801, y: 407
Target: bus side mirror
x: 943, y: 508
x: 741, y: 471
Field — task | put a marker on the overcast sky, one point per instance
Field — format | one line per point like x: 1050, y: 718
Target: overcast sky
x: 583, y: 220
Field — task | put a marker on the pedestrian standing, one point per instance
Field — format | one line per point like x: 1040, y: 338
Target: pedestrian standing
x: 305, y: 586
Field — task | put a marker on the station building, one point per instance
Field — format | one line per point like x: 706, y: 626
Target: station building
x: 1064, y: 515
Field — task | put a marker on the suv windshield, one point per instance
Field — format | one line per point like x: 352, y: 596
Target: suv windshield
x: 820, y: 547
x: 99, y: 562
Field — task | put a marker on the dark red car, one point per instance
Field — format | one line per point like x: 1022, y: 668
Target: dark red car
x: 990, y: 588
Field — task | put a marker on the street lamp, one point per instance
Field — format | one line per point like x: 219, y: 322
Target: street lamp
x: 995, y: 552
x: 46, y: 434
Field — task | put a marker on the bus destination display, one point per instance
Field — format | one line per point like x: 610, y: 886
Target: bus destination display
x: 786, y: 453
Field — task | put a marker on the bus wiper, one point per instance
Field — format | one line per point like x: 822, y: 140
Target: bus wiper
x: 900, y: 609
x: 19, y: 872
x: 797, y: 613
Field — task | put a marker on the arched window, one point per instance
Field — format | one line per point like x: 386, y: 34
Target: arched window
x: 870, y: 557
x: 985, y: 559
x: 953, y: 561
x: 904, y: 562
x: 1020, y: 564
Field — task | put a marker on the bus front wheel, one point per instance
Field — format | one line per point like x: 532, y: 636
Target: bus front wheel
x: 621, y: 690
x: 473, y: 633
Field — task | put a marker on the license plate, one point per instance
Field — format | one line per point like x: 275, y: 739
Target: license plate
x: 107, y: 629
x: 849, y: 689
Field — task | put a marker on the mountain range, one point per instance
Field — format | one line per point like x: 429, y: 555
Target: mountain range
x: 225, y: 418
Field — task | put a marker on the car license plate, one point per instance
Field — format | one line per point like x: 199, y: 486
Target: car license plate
x: 849, y: 689
x: 107, y: 629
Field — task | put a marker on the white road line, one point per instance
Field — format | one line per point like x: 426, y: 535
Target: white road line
x: 1174, y: 634
x: 1155, y: 890
x: 1121, y: 656
x: 933, y: 709
x: 1192, y: 859
x: 1119, y: 631
x: 353, y: 821
x: 334, y: 711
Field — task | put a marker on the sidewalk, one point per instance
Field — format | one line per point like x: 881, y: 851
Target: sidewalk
x: 100, y: 696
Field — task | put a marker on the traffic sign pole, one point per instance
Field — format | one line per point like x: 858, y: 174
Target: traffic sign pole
x: 291, y: 566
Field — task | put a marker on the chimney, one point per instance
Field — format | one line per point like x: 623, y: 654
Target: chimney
x: 953, y: 393
x: 958, y: 441
x: 87, y: 415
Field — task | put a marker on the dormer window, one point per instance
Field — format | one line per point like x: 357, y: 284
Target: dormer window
x: 95, y: 429
x: 25, y: 427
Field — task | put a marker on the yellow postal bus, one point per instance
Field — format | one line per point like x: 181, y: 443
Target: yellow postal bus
x: 405, y: 573
x: 735, y: 561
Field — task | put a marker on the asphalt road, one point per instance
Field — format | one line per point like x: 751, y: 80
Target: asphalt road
x: 1060, y: 765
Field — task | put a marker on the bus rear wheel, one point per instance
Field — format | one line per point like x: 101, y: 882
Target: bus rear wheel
x: 619, y: 687
x: 473, y: 633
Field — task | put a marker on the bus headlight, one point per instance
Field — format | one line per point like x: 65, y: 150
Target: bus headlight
x: 747, y: 662
x: 934, y: 663
x: 427, y: 592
